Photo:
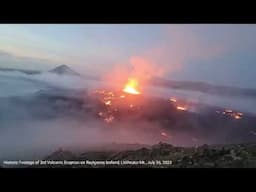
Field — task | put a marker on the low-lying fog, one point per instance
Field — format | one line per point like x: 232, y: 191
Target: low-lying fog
x: 244, y: 104
x: 24, y: 135
x: 17, y: 84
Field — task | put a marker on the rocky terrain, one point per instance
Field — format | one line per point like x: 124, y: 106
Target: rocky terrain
x: 205, y: 156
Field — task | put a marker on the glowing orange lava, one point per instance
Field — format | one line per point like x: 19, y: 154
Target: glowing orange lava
x: 131, y: 87
x: 181, y: 108
x: 237, y: 117
x: 108, y: 102
x: 173, y: 100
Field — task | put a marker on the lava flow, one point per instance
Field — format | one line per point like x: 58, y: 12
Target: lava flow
x: 131, y: 87
x: 181, y: 108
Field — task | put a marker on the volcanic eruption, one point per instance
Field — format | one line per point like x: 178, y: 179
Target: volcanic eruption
x: 131, y: 87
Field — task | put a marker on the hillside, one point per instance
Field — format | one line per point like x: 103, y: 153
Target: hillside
x: 205, y: 156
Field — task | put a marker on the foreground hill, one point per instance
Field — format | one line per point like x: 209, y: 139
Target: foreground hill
x: 214, y: 156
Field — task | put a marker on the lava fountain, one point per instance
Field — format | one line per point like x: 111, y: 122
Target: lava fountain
x: 131, y: 87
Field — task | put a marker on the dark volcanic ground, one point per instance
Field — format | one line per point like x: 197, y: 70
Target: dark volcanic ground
x: 201, y: 123
x: 156, y: 118
x: 161, y: 155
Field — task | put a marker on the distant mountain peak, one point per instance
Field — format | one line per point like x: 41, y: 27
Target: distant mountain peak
x: 63, y: 70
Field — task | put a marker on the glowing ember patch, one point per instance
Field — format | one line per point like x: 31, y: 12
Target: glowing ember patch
x: 122, y: 96
x: 164, y: 134
x: 181, y: 108
x: 108, y: 102
x: 237, y: 117
x: 109, y: 119
x: 131, y: 87
x: 173, y: 100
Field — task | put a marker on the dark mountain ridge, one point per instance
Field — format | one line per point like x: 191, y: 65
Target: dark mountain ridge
x: 64, y: 70
x: 26, y: 71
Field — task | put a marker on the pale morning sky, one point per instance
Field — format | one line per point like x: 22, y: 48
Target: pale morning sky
x: 220, y: 54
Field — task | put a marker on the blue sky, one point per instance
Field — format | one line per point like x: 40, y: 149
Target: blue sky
x: 220, y: 54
